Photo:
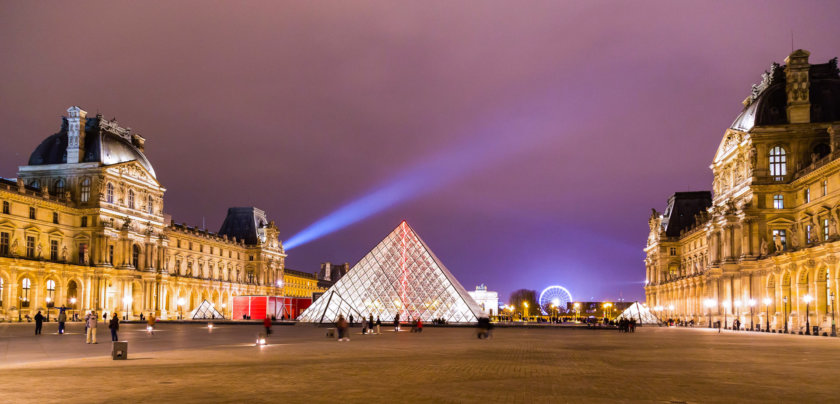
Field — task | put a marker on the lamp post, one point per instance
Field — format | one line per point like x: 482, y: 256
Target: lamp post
x: 577, y: 311
x: 525, y: 311
x: 604, y: 309
x: 709, y: 303
x: 767, y: 302
x: 751, y: 302
x: 784, y: 303
x: 807, y: 300
x: 833, y: 326
x: 725, y: 309
x: 671, y: 309
x: 126, y: 301
x: 181, y: 302
x: 736, y: 312
x: 48, y: 299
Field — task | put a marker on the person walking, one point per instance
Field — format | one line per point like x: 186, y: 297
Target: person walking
x: 90, y: 322
x: 378, y: 326
x: 151, y: 323
x: 62, y: 318
x: 370, y: 324
x: 397, y: 322
x: 39, y: 322
x: 364, y: 325
x: 341, y: 326
x: 267, y: 325
x: 351, y: 320
x: 114, y: 325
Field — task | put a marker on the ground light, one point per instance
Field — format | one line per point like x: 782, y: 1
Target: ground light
x: 210, y: 327
x: 260, y: 341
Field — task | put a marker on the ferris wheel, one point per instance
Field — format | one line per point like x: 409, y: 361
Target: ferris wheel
x: 556, y: 296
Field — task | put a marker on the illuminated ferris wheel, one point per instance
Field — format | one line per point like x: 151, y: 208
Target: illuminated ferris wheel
x: 557, y: 296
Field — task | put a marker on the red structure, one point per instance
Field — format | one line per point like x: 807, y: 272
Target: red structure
x: 256, y: 307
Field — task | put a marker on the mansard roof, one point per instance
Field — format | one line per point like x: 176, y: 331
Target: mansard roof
x: 244, y: 223
x: 767, y: 103
x: 681, y: 210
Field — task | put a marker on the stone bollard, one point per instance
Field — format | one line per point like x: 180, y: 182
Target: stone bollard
x: 119, y: 350
x: 330, y: 332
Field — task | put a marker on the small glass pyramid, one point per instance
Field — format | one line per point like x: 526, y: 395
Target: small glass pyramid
x: 400, y: 275
x: 204, y: 311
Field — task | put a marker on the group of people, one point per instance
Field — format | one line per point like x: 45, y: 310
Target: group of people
x: 90, y: 320
x: 369, y: 326
x: 627, y: 325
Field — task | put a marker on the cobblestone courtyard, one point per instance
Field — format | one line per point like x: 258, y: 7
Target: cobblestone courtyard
x: 186, y: 363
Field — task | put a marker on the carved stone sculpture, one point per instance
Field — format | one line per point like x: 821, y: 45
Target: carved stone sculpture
x: 762, y: 250
x: 64, y: 253
x: 777, y: 243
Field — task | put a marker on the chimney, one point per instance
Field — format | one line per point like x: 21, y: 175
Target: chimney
x: 797, y: 87
x: 75, y: 134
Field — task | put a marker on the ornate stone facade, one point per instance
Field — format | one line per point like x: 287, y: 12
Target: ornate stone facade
x: 83, y: 226
x: 765, y: 250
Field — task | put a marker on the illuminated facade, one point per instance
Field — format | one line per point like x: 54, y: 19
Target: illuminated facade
x: 400, y: 275
x: 488, y: 300
x: 762, y: 247
x: 301, y: 284
x: 83, y: 226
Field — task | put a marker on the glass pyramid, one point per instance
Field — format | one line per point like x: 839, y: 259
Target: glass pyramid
x: 400, y: 275
x: 204, y: 311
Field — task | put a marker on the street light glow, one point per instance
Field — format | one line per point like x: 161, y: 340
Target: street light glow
x: 808, y: 298
x: 767, y: 301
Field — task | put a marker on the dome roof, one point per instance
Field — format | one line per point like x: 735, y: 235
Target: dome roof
x: 105, y: 143
x: 767, y: 104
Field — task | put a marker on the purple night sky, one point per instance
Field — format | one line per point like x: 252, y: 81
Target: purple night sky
x: 561, y: 124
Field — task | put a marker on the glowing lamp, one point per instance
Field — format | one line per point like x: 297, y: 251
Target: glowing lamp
x: 808, y: 298
x: 752, y: 302
x: 49, y: 299
x: 671, y: 307
x: 260, y: 341
x: 149, y: 328
x: 210, y: 326
x: 767, y: 301
x: 181, y: 301
x: 127, y: 300
x: 72, y: 300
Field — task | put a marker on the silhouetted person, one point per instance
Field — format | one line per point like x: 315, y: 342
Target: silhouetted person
x: 39, y: 322
x: 62, y: 318
x: 114, y: 325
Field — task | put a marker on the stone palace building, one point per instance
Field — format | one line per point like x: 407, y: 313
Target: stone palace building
x: 763, y: 246
x: 83, y: 227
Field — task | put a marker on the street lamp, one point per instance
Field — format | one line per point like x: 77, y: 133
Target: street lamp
x: 671, y: 309
x: 737, y: 314
x: 526, y: 310
x: 784, y: 301
x: 709, y: 303
x: 126, y: 301
x: 73, y: 307
x: 767, y: 302
x: 725, y: 310
x: 181, y: 302
x: 604, y: 309
x: 752, y: 304
x: 577, y: 311
x: 833, y: 326
x: 807, y: 300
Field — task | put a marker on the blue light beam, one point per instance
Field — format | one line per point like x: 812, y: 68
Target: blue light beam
x: 493, y: 145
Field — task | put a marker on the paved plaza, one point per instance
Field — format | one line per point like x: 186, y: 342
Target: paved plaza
x: 187, y: 363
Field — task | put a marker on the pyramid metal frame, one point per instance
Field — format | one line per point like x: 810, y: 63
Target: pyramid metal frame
x: 204, y: 311
x: 401, y: 275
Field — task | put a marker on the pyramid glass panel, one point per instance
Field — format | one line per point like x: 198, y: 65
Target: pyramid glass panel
x: 206, y: 311
x: 399, y: 275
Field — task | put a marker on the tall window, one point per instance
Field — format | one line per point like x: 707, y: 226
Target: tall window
x: 808, y: 232
x: 135, y: 256
x: 50, y: 293
x: 825, y: 187
x: 85, y: 191
x: 84, y: 221
x: 4, y: 244
x: 111, y: 254
x: 778, y: 201
x: 150, y: 206
x: 53, y: 250
x: 1, y: 291
x: 825, y: 229
x: 131, y: 199
x: 807, y: 195
x: 82, y: 253
x: 778, y: 163
x: 30, y: 247
x: 31, y: 212
x: 250, y: 277
x: 55, y: 217
x: 109, y: 193
x: 58, y: 187
x: 25, y: 286
x: 6, y: 207
x: 782, y: 238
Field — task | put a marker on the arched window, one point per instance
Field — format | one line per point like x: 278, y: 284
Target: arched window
x: 135, y: 256
x: 35, y: 184
x: 58, y: 188
x: 1, y: 292
x: 131, y: 199
x: 85, y: 191
x: 150, y: 205
x: 821, y: 150
x: 778, y: 163
x: 50, y: 293
x: 25, y: 286
x: 109, y: 193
